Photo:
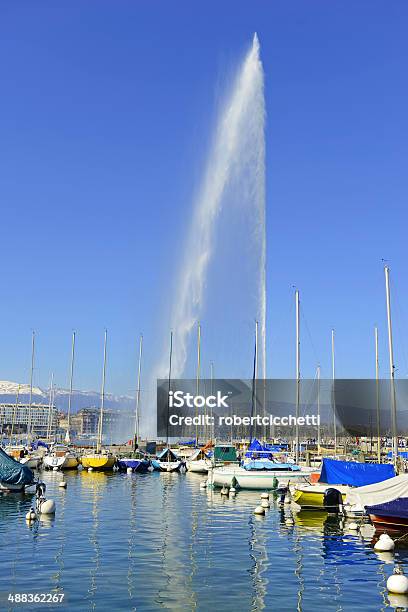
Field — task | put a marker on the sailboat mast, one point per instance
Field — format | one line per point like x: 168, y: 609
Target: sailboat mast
x: 333, y: 393
x: 211, y: 393
x: 137, y: 415
x: 100, y: 428
x: 256, y: 370
x: 31, y: 386
x: 297, y: 303
x: 50, y: 403
x: 168, y: 393
x: 15, y: 413
x: 318, y: 410
x: 198, y: 375
x: 392, y: 368
x: 71, y: 380
x: 377, y: 391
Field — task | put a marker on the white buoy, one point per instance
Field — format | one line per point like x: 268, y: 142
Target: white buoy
x: 55, y: 469
x: 353, y: 526
x: 259, y: 510
x: 264, y: 495
x: 129, y: 470
x: 265, y: 503
x: 47, y: 507
x: 31, y: 515
x: 90, y: 469
x: 397, y: 582
x: 233, y: 490
x: 384, y: 543
x: 63, y: 484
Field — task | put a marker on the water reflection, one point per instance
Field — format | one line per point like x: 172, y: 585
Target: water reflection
x: 149, y: 541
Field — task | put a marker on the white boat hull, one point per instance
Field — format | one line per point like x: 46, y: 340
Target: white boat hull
x: 199, y: 466
x: 169, y: 466
x: 255, y: 480
x: 67, y: 462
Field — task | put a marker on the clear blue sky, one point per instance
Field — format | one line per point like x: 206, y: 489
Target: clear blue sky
x: 105, y: 112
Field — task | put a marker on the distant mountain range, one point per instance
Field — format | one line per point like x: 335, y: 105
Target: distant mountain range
x: 80, y: 399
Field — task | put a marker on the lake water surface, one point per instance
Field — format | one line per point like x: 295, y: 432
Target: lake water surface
x: 151, y: 541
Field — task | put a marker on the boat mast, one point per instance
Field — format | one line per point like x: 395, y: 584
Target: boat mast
x: 168, y: 395
x: 50, y: 406
x: 137, y: 415
x: 377, y: 390
x: 318, y: 410
x: 333, y: 394
x: 211, y: 393
x: 100, y: 428
x: 297, y: 302
x: 256, y: 373
x: 198, y: 376
x: 71, y: 380
x: 15, y: 413
x: 31, y: 387
x: 392, y: 369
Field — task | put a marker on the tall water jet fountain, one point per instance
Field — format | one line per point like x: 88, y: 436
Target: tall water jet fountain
x: 234, y: 177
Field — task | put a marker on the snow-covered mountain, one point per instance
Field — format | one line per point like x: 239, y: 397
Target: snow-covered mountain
x: 80, y: 399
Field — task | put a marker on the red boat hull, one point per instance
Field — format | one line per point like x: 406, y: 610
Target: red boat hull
x: 389, y: 523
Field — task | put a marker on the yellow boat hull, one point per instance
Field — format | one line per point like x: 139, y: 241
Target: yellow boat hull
x: 98, y: 462
x: 312, y: 497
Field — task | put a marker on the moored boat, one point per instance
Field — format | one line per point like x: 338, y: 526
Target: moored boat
x: 168, y: 461
x: 199, y: 462
x: 390, y: 516
x: 343, y: 476
x: 137, y: 462
x: 258, y: 475
x: 62, y: 458
x: 13, y: 475
x: 98, y: 461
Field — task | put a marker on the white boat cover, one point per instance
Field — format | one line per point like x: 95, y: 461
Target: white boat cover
x: 380, y: 492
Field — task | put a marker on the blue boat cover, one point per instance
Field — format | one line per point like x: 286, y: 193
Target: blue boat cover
x: 12, y: 472
x: 396, y: 508
x: 403, y: 454
x: 255, y: 446
x: 354, y: 474
x: 38, y: 443
x: 167, y: 454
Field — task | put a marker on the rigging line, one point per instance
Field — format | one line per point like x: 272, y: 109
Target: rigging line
x: 316, y: 356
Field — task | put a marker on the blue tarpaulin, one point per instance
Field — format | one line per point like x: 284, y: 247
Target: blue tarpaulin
x: 354, y: 474
x: 403, y: 454
x: 14, y: 473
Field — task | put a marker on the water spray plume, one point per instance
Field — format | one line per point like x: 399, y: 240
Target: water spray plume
x: 236, y: 157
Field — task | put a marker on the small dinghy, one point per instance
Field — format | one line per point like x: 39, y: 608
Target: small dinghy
x: 168, y: 461
x: 390, y: 516
x: 14, y: 476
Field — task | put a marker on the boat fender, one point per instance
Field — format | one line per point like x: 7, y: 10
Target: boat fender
x: 397, y: 582
x: 259, y: 510
x: 47, y: 506
x: 384, y: 543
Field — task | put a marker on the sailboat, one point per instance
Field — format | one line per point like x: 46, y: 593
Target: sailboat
x: 199, y: 462
x: 137, y: 461
x: 167, y: 460
x: 61, y: 457
x: 100, y: 460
